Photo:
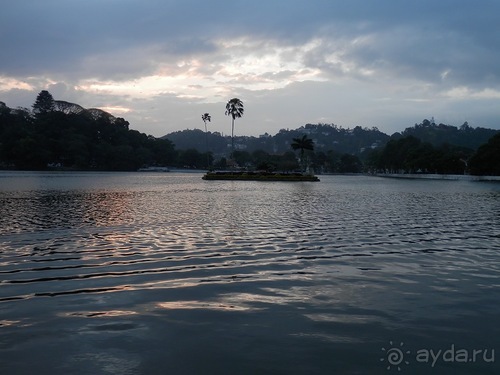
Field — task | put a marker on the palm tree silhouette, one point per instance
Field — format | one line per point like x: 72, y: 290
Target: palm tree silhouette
x: 302, y: 144
x: 206, y: 117
x: 234, y: 108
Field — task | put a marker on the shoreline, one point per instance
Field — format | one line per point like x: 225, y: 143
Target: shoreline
x: 450, y: 177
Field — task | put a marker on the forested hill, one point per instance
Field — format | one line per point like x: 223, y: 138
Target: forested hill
x: 437, y: 135
x: 327, y: 137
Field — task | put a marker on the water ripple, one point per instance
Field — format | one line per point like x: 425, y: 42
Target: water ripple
x: 341, y: 254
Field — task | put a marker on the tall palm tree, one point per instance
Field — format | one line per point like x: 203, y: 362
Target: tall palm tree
x: 302, y: 144
x: 234, y: 108
x: 206, y: 117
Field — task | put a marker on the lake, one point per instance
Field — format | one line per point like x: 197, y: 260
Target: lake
x: 139, y: 273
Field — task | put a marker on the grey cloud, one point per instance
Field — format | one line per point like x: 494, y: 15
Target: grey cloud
x: 59, y: 36
x: 443, y: 44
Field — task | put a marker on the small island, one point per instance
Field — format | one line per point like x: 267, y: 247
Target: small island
x: 258, y: 176
x: 235, y: 109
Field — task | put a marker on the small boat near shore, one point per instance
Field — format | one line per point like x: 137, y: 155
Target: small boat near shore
x: 258, y: 176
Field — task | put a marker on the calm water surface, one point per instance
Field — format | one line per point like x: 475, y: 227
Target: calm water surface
x: 129, y: 273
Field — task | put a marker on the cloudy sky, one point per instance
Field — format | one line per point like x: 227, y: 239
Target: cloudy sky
x: 161, y: 64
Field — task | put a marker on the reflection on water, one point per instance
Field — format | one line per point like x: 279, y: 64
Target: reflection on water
x: 128, y: 273
x: 48, y: 210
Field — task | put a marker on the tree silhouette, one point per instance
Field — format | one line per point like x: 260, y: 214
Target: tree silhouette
x: 206, y: 117
x: 302, y: 144
x: 234, y: 108
x: 44, y: 103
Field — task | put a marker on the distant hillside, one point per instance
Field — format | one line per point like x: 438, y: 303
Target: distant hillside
x: 437, y: 135
x: 326, y: 137
x: 332, y: 137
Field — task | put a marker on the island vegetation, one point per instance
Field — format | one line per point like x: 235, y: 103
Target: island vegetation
x: 56, y: 134
x: 259, y: 176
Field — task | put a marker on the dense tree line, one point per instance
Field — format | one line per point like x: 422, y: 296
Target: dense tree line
x: 411, y: 155
x: 48, y: 137
x: 319, y: 162
x: 486, y: 161
x: 58, y: 134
